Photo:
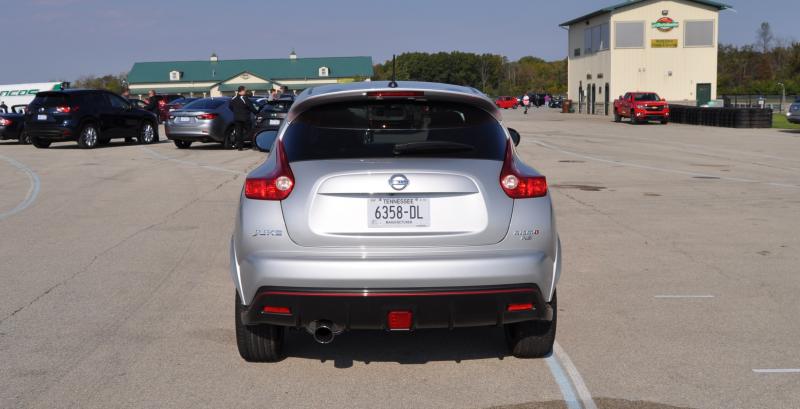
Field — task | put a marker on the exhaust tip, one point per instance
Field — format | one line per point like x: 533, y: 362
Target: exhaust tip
x: 324, y: 334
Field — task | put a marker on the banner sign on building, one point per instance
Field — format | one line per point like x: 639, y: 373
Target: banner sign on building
x: 664, y: 43
x: 665, y: 24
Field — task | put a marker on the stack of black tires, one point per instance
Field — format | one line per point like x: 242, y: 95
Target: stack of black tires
x: 722, y: 117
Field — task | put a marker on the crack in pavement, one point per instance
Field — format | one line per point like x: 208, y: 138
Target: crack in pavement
x: 121, y: 242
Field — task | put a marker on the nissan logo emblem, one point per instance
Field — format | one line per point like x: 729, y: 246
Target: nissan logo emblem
x: 398, y: 182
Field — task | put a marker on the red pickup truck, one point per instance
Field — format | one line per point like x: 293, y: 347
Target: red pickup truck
x: 506, y: 102
x: 641, y: 107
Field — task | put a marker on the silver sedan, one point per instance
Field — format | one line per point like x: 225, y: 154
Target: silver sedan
x: 202, y: 120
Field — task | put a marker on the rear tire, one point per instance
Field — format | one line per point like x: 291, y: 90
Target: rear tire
x: 40, y: 143
x: 182, y: 144
x: 257, y: 343
x: 24, y: 139
x: 533, y: 339
x: 228, y: 141
x: 147, y: 133
x: 664, y: 122
x: 89, y: 137
x: 617, y: 116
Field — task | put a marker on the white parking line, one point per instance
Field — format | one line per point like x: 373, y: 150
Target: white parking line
x: 190, y: 163
x: 562, y: 381
x: 575, y: 376
x: 778, y: 370
x: 684, y: 296
x: 33, y: 191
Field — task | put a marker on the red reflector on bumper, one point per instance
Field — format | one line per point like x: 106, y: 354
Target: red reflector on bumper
x: 399, y: 320
x: 277, y: 310
x: 519, y: 307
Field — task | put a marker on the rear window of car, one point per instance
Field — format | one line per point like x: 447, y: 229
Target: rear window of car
x: 50, y: 100
x: 205, y: 104
x: 382, y: 129
x: 646, y: 97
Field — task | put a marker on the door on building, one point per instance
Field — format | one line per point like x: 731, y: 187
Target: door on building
x: 580, y: 98
x: 606, y: 99
x: 703, y: 94
x: 594, y: 98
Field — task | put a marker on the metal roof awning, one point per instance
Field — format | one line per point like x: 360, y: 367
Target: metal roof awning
x: 168, y: 90
x: 609, y: 9
x: 262, y: 86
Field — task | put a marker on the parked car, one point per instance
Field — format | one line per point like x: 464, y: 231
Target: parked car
x: 506, y: 102
x: 641, y: 107
x: 163, y: 101
x: 394, y: 209
x: 202, y: 120
x: 556, y: 102
x: 794, y: 113
x: 272, y: 114
x: 90, y: 117
x: 12, y: 125
x: 179, y: 103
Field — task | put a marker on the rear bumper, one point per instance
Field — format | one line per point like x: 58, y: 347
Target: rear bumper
x: 368, y: 309
x: 9, y: 132
x: 795, y: 119
x: 52, y: 133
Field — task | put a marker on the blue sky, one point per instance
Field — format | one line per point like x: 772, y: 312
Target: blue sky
x: 46, y: 40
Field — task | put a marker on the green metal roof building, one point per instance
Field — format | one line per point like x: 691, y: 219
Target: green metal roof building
x: 215, y: 77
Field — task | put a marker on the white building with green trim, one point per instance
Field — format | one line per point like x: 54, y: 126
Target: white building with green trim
x: 216, y: 77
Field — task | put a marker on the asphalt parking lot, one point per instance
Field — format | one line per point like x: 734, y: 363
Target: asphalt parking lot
x: 679, y: 286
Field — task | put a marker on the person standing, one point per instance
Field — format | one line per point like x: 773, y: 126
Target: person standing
x: 3, y: 107
x: 526, y: 102
x: 547, y: 100
x: 126, y: 93
x: 242, y: 108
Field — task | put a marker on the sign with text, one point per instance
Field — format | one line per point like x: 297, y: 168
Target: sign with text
x: 664, y: 43
x: 665, y: 24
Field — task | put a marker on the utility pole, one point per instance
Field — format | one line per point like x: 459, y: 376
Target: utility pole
x: 783, y: 95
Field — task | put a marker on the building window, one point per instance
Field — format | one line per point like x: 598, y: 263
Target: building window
x: 174, y: 75
x: 577, y: 52
x: 699, y: 34
x: 629, y: 34
x: 596, y: 38
x: 323, y: 71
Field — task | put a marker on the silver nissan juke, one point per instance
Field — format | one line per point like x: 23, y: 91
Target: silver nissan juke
x: 393, y: 206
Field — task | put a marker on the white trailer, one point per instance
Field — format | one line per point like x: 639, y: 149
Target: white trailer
x: 23, y: 94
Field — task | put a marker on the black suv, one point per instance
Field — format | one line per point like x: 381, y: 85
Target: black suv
x: 90, y: 117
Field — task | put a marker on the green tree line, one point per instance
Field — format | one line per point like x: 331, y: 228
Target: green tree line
x: 491, y: 73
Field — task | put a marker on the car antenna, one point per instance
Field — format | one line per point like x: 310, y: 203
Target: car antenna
x: 393, y: 83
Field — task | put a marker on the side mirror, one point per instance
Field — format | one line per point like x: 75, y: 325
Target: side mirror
x: 515, y: 137
x: 265, y: 140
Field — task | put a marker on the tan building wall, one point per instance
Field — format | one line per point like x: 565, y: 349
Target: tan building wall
x: 673, y: 70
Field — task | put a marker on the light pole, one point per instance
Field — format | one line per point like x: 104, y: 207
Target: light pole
x: 783, y: 95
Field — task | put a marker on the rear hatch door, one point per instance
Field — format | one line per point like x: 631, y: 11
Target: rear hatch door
x: 412, y: 173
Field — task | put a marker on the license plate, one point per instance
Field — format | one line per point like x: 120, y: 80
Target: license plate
x: 274, y: 122
x: 184, y: 119
x: 41, y: 117
x: 399, y: 212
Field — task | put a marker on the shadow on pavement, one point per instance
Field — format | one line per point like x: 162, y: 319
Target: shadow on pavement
x: 418, y: 347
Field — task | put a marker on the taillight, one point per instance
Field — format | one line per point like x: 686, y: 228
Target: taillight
x: 277, y: 185
x: 398, y: 94
x: 207, y: 116
x: 5, y: 122
x: 66, y: 109
x: 518, y: 184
